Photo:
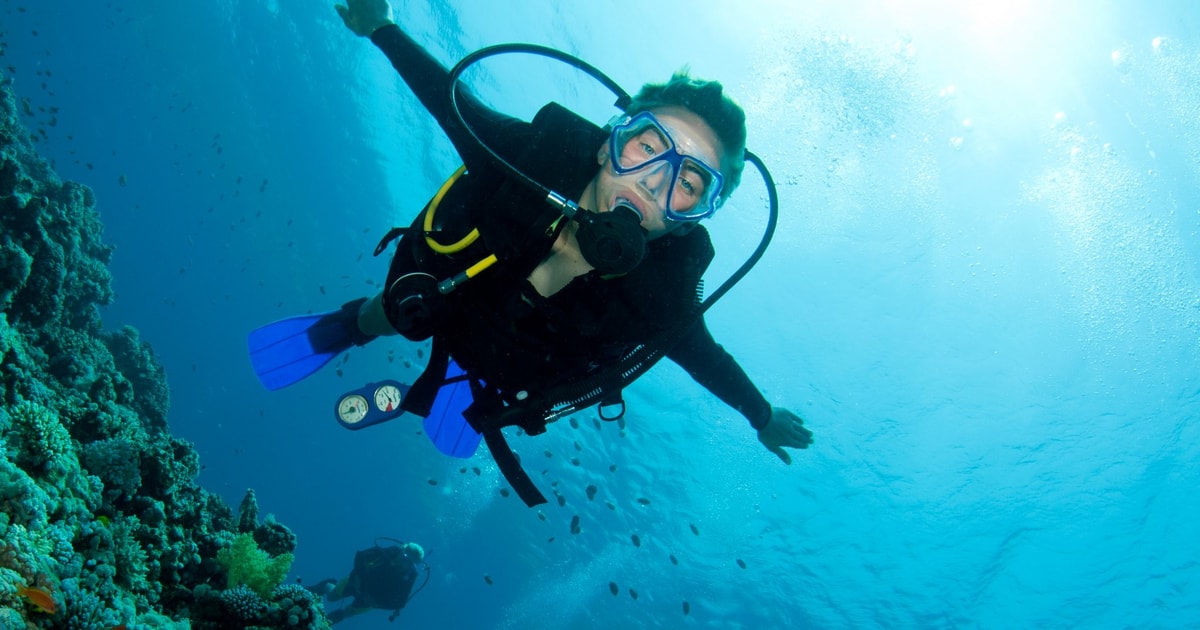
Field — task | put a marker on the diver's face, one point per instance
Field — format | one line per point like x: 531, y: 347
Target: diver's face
x: 647, y: 189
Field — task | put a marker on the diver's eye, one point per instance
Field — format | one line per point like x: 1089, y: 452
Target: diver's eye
x: 687, y: 186
x: 692, y: 181
x: 643, y: 146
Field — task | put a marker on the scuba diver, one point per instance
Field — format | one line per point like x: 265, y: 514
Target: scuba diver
x: 557, y: 265
x: 382, y: 578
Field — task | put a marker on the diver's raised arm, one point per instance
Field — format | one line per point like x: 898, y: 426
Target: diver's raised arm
x: 428, y: 79
x: 364, y: 17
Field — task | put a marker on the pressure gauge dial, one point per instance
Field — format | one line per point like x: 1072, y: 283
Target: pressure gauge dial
x: 352, y: 409
x: 387, y: 397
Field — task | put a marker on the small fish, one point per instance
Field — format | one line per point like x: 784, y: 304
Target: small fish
x: 674, y: 560
x: 591, y: 492
x: 487, y: 578
x: 633, y: 594
x: 574, y: 461
x: 504, y: 492
x: 103, y: 520
x: 39, y: 597
x: 433, y: 482
x: 612, y: 468
x: 695, y: 530
x: 643, y: 500
x: 575, y: 529
x: 548, y: 453
x: 574, y: 423
x: 613, y: 588
x: 741, y: 563
x: 637, y: 542
x: 687, y: 608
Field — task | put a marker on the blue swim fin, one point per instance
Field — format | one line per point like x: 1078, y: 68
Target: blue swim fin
x: 286, y: 351
x: 445, y: 425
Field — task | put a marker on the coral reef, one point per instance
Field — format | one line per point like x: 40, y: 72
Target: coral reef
x: 99, y: 509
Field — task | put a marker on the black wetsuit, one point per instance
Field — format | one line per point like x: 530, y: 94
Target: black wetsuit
x: 383, y: 577
x: 499, y: 328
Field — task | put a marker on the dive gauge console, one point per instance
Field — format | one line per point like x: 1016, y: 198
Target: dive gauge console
x: 370, y: 404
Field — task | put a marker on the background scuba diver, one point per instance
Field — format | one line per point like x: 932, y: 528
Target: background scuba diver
x: 557, y: 307
x: 382, y: 578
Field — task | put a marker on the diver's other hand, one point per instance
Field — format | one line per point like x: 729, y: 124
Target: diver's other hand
x: 784, y: 429
x: 364, y: 17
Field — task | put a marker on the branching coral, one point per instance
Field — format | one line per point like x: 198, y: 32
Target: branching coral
x: 243, y: 603
x: 116, y: 462
x: 45, y: 445
x: 298, y: 605
x: 136, y: 362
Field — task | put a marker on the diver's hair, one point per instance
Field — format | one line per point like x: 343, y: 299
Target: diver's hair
x: 708, y: 101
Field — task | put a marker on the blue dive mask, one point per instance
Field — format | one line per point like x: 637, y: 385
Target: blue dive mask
x: 641, y: 143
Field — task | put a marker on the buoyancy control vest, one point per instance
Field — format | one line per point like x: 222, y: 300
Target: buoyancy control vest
x: 514, y: 223
x: 498, y: 327
x: 522, y: 351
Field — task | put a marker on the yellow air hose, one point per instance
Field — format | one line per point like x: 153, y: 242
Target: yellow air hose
x: 449, y: 284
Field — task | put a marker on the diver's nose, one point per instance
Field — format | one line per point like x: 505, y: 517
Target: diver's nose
x: 656, y: 179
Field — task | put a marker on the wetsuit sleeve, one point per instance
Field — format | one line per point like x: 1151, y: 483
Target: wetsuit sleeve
x: 714, y: 368
x: 429, y: 81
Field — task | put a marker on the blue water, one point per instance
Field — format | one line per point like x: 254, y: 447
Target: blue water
x: 983, y: 298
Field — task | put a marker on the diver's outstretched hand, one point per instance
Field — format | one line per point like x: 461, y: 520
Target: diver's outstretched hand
x: 365, y: 16
x: 784, y: 429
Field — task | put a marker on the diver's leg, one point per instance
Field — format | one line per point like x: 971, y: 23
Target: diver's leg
x: 342, y: 614
x: 323, y: 587
x: 339, y: 591
x: 372, y: 320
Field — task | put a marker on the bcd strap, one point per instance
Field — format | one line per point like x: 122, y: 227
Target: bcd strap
x: 489, y: 415
x: 387, y: 239
x: 419, y: 399
x: 606, y: 407
x: 511, y: 468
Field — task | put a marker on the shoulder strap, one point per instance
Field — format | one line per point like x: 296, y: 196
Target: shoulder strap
x: 419, y: 399
x: 506, y: 460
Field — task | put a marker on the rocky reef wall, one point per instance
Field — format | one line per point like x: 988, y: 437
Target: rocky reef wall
x: 102, y: 524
